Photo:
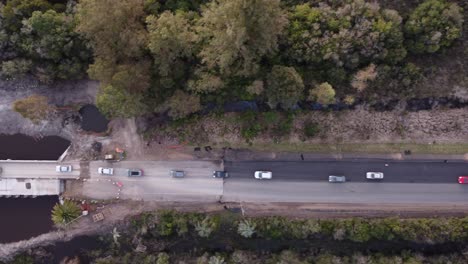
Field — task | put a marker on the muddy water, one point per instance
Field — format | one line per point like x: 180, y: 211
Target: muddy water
x: 92, y: 119
x: 21, y: 147
x: 23, y: 218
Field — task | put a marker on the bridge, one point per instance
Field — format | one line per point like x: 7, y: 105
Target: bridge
x: 32, y: 178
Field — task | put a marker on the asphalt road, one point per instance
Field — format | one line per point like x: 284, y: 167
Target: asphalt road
x: 355, y: 171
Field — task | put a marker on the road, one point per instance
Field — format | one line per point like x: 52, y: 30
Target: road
x: 156, y: 184
x: 406, y: 182
x: 355, y: 171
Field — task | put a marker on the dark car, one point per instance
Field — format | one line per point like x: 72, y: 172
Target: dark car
x: 220, y: 174
x: 135, y: 172
x: 177, y: 174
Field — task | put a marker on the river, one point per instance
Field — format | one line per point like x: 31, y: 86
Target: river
x: 23, y: 218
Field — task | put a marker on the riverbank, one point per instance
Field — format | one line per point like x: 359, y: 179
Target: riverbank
x: 191, y: 236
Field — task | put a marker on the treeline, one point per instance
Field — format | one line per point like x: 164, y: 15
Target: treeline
x: 155, y: 56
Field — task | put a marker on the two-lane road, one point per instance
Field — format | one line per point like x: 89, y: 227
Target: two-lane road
x: 355, y: 171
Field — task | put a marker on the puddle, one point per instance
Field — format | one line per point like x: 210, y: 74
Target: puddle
x: 92, y: 119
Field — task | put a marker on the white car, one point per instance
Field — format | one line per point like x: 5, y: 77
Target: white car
x: 263, y: 175
x: 105, y: 171
x: 63, y: 168
x: 374, y: 175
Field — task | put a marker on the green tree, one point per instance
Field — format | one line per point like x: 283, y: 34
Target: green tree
x: 322, y: 94
x: 349, y: 35
x: 49, y: 38
x: 65, y: 213
x: 15, y: 11
x: 171, y: 42
x: 432, y: 25
x: 114, y: 28
x: 182, y: 104
x: 237, y: 34
x: 284, y: 87
x: 163, y: 258
x: 16, y: 67
x: 114, y: 102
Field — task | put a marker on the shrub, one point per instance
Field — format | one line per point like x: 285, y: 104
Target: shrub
x: 322, y: 94
x: 246, y: 228
x: 163, y: 258
x: 311, y: 129
x: 34, y: 107
x: 65, y: 213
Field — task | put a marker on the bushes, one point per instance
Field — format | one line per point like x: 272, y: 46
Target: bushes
x: 34, y: 107
x: 311, y: 129
x: 274, y: 124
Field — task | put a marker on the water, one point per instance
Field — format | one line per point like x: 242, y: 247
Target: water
x: 92, y: 119
x: 23, y: 218
x: 22, y: 147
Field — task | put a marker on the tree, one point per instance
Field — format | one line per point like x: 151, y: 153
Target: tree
x: 349, y: 35
x: 34, y: 107
x: 216, y: 260
x: 114, y: 102
x: 15, y: 11
x: 362, y: 77
x: 284, y: 87
x: 171, y: 42
x: 182, y: 104
x: 49, y: 38
x: 205, y: 82
x: 114, y: 28
x: 65, y: 213
x: 163, y: 258
x: 322, y: 94
x: 432, y: 25
x: 246, y: 228
x: 237, y: 34
x: 16, y: 67
x: 133, y: 77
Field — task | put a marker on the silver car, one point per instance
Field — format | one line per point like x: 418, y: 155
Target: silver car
x: 63, y: 168
x: 338, y: 179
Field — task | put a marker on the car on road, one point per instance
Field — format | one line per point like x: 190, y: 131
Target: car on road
x: 134, y: 172
x: 339, y: 179
x: 106, y: 171
x: 374, y: 175
x: 177, y: 174
x: 263, y: 175
x: 463, y: 180
x: 63, y: 168
x: 220, y: 174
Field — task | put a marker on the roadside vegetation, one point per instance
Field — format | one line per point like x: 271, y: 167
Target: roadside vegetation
x: 63, y: 214
x: 174, y: 237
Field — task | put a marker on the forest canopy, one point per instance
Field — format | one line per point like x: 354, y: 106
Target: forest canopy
x: 152, y: 55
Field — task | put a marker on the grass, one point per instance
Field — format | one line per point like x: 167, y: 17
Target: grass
x: 361, y: 148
